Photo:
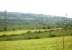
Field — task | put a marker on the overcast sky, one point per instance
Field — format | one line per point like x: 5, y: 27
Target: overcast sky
x: 48, y: 7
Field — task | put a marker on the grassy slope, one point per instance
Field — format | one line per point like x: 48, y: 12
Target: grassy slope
x: 24, y: 31
x: 37, y: 44
x: 19, y: 31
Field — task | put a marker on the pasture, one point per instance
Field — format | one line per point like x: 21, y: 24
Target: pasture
x: 24, y: 31
x: 55, y: 43
x: 42, y: 43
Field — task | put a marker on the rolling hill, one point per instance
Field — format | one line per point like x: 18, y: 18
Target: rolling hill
x: 17, y: 20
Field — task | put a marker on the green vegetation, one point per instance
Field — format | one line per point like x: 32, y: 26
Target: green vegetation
x: 11, y: 21
x: 38, y: 44
x: 22, y: 31
x: 36, y: 34
x: 19, y: 31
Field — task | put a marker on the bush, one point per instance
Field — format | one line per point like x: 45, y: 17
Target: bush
x: 36, y: 37
x: 28, y: 32
x: 13, y: 29
x: 40, y: 31
x: 5, y: 29
x: 49, y: 27
x: 3, y: 35
x: 52, y: 35
x: 29, y: 37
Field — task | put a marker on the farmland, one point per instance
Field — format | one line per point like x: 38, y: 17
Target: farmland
x: 45, y: 43
x: 24, y: 31
x: 19, y: 31
x: 38, y: 44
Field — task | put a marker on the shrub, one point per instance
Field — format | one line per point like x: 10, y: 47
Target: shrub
x: 4, y: 35
x: 28, y: 32
x: 13, y: 29
x: 5, y: 29
x: 29, y: 37
x: 36, y: 37
x: 49, y: 27
x: 52, y: 35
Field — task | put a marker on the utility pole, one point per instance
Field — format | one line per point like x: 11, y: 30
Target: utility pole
x: 63, y: 42
x: 65, y: 22
x: 5, y: 20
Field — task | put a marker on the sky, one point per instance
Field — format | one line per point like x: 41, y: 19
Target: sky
x: 47, y: 7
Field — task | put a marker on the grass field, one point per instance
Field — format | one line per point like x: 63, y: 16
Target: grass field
x: 19, y: 31
x: 24, y: 31
x: 38, y: 44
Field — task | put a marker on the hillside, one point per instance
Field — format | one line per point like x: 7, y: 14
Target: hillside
x: 24, y: 31
x: 16, y: 20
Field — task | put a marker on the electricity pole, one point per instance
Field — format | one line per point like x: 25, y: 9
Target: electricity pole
x: 5, y: 20
x: 65, y: 22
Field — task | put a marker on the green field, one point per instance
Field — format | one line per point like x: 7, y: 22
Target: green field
x: 24, y: 31
x: 27, y: 31
x: 38, y: 44
x: 46, y: 39
x: 19, y: 31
